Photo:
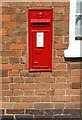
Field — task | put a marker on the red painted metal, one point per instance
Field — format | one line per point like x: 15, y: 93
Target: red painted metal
x: 40, y: 39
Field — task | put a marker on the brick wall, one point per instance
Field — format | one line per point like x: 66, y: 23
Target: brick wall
x: 38, y: 92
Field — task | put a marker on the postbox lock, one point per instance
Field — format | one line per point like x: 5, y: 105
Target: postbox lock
x: 40, y: 14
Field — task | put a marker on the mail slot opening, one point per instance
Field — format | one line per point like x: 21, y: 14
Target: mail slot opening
x: 43, y: 24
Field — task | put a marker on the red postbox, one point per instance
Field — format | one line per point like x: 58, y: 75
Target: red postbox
x: 40, y: 39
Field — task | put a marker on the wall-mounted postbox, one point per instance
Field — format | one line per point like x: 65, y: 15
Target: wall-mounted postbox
x: 40, y: 39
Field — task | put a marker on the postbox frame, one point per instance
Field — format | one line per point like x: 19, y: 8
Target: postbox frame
x: 30, y: 46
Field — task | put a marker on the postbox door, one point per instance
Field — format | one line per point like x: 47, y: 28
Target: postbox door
x: 40, y: 39
x: 40, y: 49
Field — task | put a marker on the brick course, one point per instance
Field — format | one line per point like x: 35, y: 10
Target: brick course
x: 21, y: 89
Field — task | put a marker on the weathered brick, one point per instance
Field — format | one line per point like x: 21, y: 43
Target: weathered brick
x: 6, y: 92
x: 22, y: 105
x: 59, y: 10
x: 60, y: 86
x: 60, y: 98
x: 22, y: 4
x: 6, y: 105
x: 58, y: 105
x: 73, y: 92
x: 62, y: 73
x: 74, y: 79
x: 17, y: 66
x: 5, y: 98
x: 60, y: 67
x: 59, y: 53
x: 76, y: 85
x: 19, y: 18
x: 6, y: 80
x: 15, y: 111
x: 11, y: 53
x: 6, y: 4
x: 8, y: 10
x: 61, y: 17
x: 75, y: 98
x: 21, y: 39
x: 4, y: 73
x: 72, y: 105
x: 43, y: 105
x: 4, y: 60
x: 59, y: 92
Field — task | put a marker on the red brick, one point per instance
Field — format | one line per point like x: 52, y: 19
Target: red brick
x: 3, y: 32
x: 60, y: 86
x: 13, y: 73
x: 60, y: 98
x: 9, y: 25
x: 44, y: 80
x: 14, y: 86
x: 29, y: 86
x: 6, y: 105
x: 60, y: 46
x: 21, y: 39
x: 44, y: 86
x: 6, y: 92
x: 58, y: 105
x: 19, y: 18
x: 59, y: 10
x: 6, y: 80
x: 61, y: 80
x: 60, y: 66
x: 22, y: 4
x: 29, y: 92
x: 11, y: 53
x: 18, y: 66
x: 62, y: 73
x: 5, y: 18
x: 14, y: 99
x: 9, y: 10
x: 15, y: 111
x: 45, y: 98
x: 4, y: 60
x: 6, y: 66
x: 61, y: 17
x: 30, y: 99
x: 74, y: 79
x: 75, y: 98
x: 5, y: 86
x: 72, y: 105
x: 76, y: 72
x: 44, y: 92
x: 5, y: 99
x: 59, y: 60
x: 18, y: 80
x: 73, y: 92
x: 59, y: 53
x: 6, y: 4
x: 59, y: 92
x: 43, y: 105
x: 18, y: 46
x: 22, y: 105
x: 17, y: 92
